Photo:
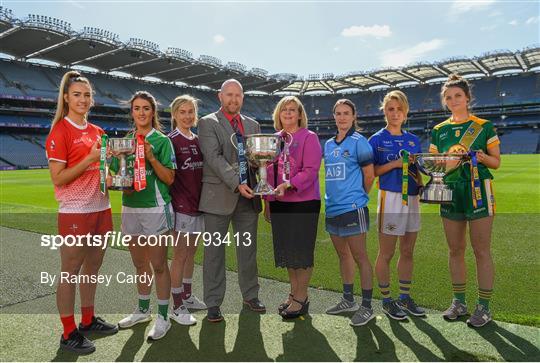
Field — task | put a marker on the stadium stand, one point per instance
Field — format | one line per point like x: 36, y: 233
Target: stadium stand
x: 22, y: 150
x: 506, y: 86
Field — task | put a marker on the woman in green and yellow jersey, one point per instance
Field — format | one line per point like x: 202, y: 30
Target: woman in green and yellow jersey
x: 473, y: 199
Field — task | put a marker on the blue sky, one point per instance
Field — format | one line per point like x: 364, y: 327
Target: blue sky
x: 309, y: 37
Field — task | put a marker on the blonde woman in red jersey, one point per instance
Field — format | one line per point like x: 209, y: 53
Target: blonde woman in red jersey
x: 73, y: 152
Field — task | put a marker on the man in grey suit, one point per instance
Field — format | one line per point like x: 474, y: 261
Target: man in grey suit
x: 225, y: 199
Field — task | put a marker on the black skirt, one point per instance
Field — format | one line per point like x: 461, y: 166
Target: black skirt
x: 294, y: 231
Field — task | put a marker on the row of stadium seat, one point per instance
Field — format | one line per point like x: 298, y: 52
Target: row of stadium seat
x: 21, y: 78
x: 22, y: 150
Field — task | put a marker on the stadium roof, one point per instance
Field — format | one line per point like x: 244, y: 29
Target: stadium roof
x: 42, y: 37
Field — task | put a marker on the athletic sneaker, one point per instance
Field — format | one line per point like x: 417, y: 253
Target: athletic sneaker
x: 455, y: 310
x: 135, y: 318
x: 393, y: 309
x: 77, y: 343
x: 98, y: 326
x: 410, y: 307
x: 194, y: 303
x: 343, y: 306
x: 182, y: 316
x: 362, y: 316
x: 160, y: 328
x: 480, y: 317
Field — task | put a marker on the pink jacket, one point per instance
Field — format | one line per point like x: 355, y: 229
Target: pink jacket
x: 305, y: 156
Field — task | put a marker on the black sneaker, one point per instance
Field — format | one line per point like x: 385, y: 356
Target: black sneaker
x: 410, y: 306
x: 214, y: 314
x: 98, y: 326
x: 394, y: 310
x: 77, y: 343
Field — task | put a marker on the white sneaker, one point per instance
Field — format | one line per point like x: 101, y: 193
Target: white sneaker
x: 160, y: 328
x: 135, y: 318
x: 194, y: 303
x: 183, y: 317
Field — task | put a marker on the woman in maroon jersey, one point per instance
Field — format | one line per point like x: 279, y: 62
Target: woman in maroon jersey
x: 185, y: 192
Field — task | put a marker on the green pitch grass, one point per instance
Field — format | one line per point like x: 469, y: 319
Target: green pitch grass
x: 27, y: 203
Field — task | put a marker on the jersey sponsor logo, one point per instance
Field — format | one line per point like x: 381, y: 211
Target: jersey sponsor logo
x: 335, y: 171
x: 85, y: 139
x: 444, y: 135
x: 52, y: 145
x: 392, y: 157
x: 191, y: 165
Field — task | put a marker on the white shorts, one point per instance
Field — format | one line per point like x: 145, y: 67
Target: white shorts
x: 147, y: 221
x: 188, y: 224
x: 393, y: 217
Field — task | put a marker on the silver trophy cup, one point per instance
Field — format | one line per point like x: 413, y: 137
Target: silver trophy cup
x: 437, y: 166
x: 262, y: 149
x: 121, y: 148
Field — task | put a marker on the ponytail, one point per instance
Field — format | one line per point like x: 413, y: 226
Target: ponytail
x: 62, y: 107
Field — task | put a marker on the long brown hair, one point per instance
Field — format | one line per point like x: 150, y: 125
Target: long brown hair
x: 455, y: 80
x: 147, y: 96
x: 62, y: 108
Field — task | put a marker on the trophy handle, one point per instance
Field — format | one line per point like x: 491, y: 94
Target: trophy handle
x: 233, y: 136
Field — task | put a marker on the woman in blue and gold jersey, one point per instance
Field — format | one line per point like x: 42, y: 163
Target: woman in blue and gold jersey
x: 398, y: 210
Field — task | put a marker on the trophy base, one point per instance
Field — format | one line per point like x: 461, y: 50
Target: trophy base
x: 436, y: 194
x: 263, y: 189
x: 121, y: 183
x: 121, y: 188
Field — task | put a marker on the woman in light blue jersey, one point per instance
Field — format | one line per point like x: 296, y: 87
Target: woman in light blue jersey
x: 349, y: 175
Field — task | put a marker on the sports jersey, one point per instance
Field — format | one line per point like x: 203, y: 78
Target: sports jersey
x: 156, y: 192
x: 449, y: 136
x: 387, y: 147
x: 343, y: 162
x: 186, y: 189
x: 70, y: 143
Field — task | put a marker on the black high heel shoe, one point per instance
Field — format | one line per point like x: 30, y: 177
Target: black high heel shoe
x: 297, y: 313
x: 284, y: 305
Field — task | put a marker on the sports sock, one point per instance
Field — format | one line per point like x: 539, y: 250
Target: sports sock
x: 176, y: 293
x: 385, y: 292
x: 68, y: 322
x: 366, y: 297
x: 144, y: 303
x: 348, y: 292
x: 404, y: 288
x: 163, y: 308
x: 87, y: 315
x: 459, y: 291
x: 186, y: 285
x: 484, y: 295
